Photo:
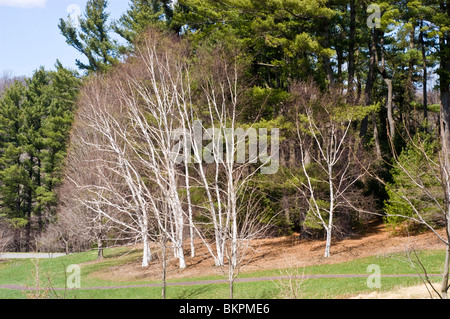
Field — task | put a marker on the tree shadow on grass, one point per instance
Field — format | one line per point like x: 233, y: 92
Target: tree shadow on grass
x: 193, y: 292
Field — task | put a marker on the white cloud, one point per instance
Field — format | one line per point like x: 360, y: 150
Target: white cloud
x: 23, y: 3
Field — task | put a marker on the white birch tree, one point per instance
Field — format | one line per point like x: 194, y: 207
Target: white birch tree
x: 114, y: 191
x: 324, y: 130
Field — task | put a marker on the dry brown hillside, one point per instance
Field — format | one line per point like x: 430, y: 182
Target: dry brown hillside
x: 285, y: 251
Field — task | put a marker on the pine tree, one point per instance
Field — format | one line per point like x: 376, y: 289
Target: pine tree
x: 284, y: 37
x: 13, y: 178
x: 35, y: 120
x: 93, y: 40
x: 142, y: 14
x: 55, y: 132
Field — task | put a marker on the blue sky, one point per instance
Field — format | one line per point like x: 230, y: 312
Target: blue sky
x: 30, y: 37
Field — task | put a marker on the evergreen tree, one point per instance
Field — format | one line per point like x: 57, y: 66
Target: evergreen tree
x: 142, y: 14
x: 55, y: 130
x: 35, y: 121
x: 93, y: 40
x: 286, y: 39
x: 415, y: 162
x: 12, y: 173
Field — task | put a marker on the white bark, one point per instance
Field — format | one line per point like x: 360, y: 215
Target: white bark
x: 330, y: 141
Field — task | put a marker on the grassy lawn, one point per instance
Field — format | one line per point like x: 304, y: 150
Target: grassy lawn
x: 20, y: 272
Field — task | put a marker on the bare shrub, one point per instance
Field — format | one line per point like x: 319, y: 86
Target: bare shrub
x: 292, y: 280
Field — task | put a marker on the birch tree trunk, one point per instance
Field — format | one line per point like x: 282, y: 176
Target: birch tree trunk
x: 147, y: 253
x: 329, y: 227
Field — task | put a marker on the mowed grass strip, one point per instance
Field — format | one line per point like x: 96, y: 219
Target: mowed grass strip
x: 52, y: 271
x: 329, y: 288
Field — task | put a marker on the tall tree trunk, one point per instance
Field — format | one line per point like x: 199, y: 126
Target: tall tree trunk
x: 351, y: 55
x: 409, y: 96
x: 358, y: 79
x: 38, y: 184
x: 368, y: 95
x: 100, y: 248
x: 376, y: 135
x: 326, y: 59
x: 340, y: 62
x: 189, y: 203
x: 425, y: 74
x: 147, y: 253
x: 29, y: 206
x: 390, y: 114
x: 178, y: 219
x: 179, y: 244
x: 383, y: 71
x: 444, y: 79
x: 28, y: 233
x: 369, y: 86
x: 286, y: 208
x: 328, y: 241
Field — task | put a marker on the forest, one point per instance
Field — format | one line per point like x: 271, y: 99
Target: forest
x: 225, y: 121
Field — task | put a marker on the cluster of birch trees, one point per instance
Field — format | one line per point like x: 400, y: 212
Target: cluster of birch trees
x: 140, y: 133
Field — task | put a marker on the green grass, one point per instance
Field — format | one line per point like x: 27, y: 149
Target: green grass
x: 20, y: 272
x: 389, y: 264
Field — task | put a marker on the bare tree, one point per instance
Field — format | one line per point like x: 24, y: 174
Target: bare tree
x: 7, y: 79
x: 132, y: 117
x: 6, y: 236
x: 107, y: 188
x: 153, y: 107
x: 71, y: 232
x: 330, y: 173
x: 249, y: 224
x: 224, y: 168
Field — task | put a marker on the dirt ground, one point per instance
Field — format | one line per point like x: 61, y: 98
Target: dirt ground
x: 413, y: 292
x: 281, y: 252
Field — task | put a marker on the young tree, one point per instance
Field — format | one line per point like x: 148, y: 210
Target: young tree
x: 224, y: 168
x: 249, y: 224
x: 329, y: 171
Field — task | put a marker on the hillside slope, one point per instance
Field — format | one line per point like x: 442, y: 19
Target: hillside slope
x: 283, y: 252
